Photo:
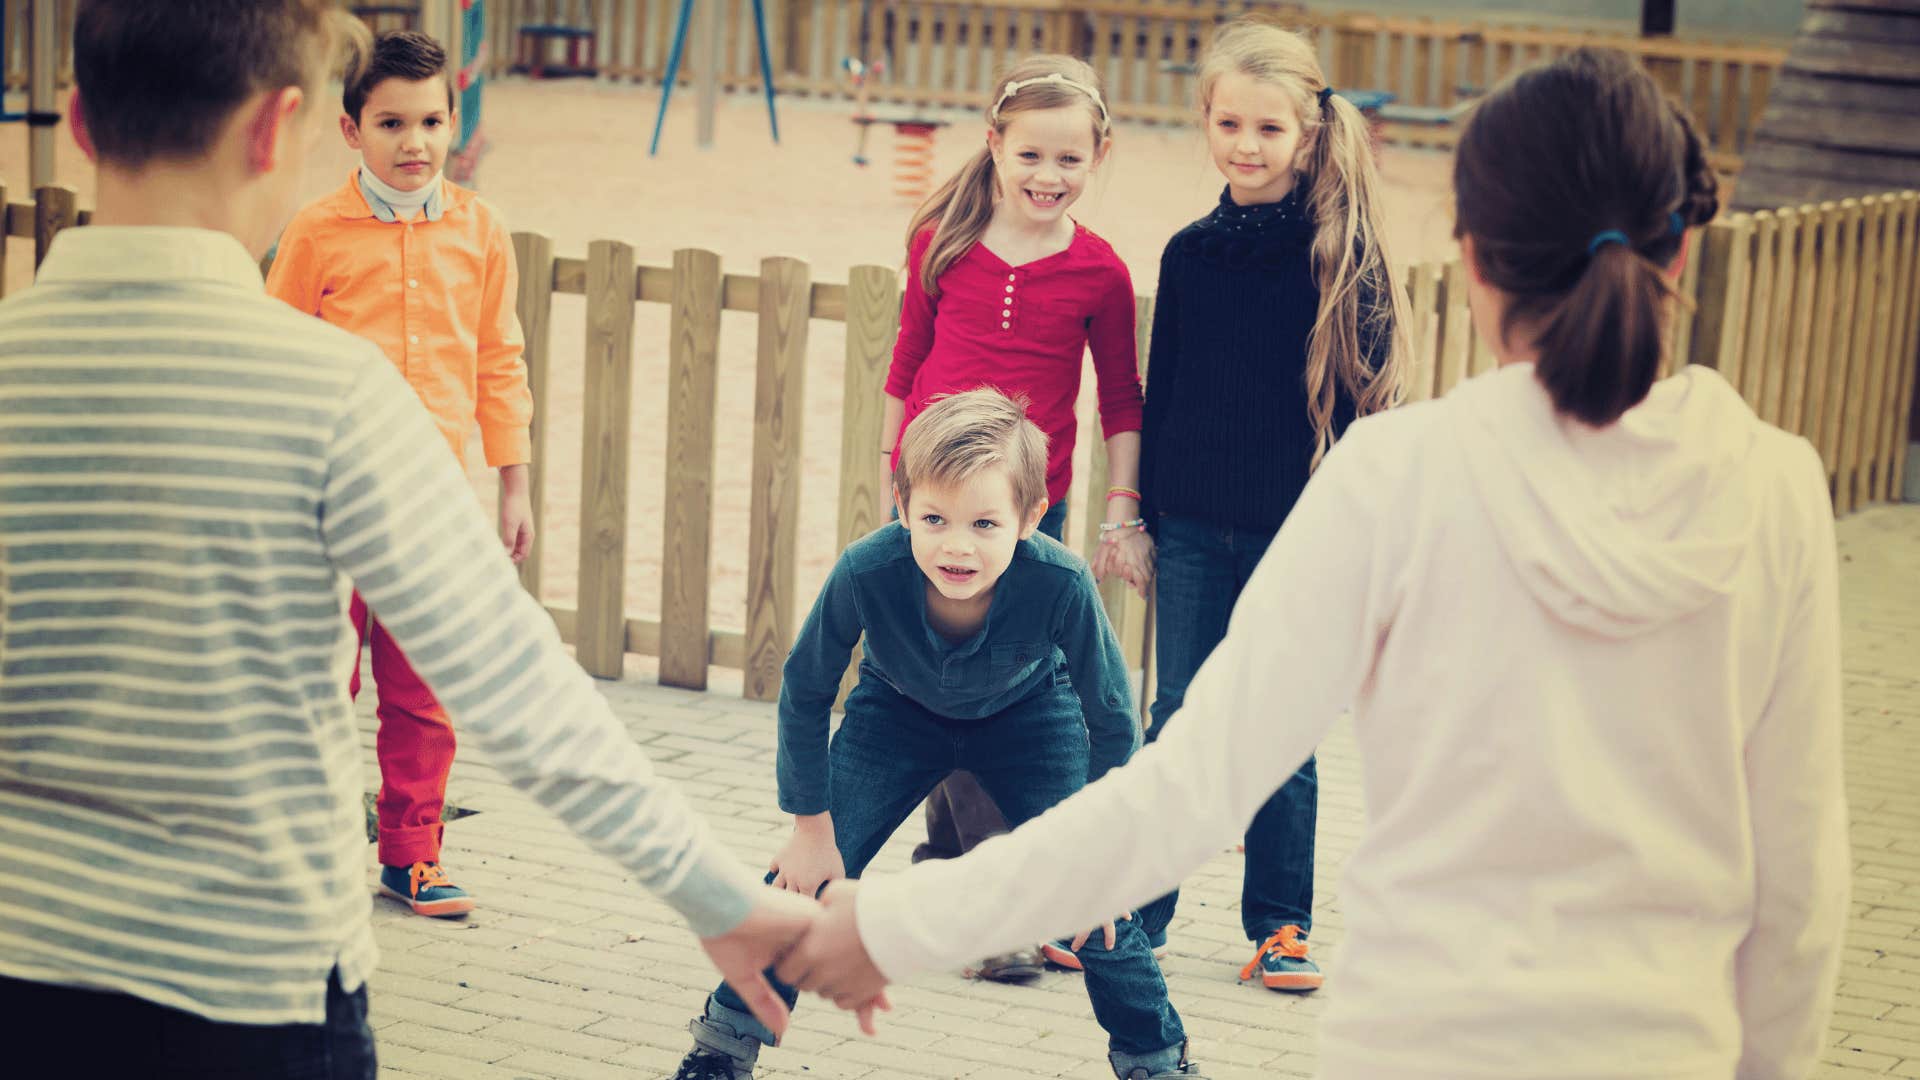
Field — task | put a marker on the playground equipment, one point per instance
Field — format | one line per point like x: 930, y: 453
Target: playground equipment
x: 913, y: 157
x: 42, y: 114
x: 709, y: 70
x: 471, y: 141
x: 862, y: 73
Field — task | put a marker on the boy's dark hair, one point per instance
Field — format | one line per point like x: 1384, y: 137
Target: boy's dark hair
x: 1576, y: 180
x: 159, y: 80
x: 396, y: 54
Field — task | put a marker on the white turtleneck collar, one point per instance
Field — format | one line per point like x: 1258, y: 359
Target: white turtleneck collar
x: 389, y: 203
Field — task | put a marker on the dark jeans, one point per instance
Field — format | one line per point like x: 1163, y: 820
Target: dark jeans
x: 1200, y: 570
x: 960, y: 814
x: 80, y: 1034
x: 889, y: 753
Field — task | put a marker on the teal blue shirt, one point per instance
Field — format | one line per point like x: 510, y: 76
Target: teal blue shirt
x: 1045, y: 612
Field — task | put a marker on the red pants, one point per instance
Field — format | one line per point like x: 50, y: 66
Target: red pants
x: 415, y: 748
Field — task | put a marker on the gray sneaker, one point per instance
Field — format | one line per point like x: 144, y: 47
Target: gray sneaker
x: 1024, y: 965
x: 718, y: 1053
x: 1186, y: 1068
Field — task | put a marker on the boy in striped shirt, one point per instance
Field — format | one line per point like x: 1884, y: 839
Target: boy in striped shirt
x: 193, y: 478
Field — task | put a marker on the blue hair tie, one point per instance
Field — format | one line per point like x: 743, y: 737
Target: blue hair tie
x: 1602, y: 239
x: 1676, y: 224
x: 1325, y: 93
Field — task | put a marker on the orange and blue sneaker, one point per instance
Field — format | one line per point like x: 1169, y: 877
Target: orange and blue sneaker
x: 424, y: 887
x: 1282, y: 963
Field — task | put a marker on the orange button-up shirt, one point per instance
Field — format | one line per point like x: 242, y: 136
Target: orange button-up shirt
x: 436, y: 296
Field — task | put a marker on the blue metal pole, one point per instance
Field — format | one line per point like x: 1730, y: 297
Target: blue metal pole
x: 673, y: 69
x: 766, y: 67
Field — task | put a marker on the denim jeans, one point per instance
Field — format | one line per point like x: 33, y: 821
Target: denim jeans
x: 82, y: 1033
x: 960, y: 814
x: 888, y: 754
x: 1201, y: 569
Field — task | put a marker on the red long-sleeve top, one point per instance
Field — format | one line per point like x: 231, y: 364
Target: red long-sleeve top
x: 1024, y: 330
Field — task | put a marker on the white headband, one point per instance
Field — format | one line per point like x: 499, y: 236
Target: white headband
x: 1059, y: 79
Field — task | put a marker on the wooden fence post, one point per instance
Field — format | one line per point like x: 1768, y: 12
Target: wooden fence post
x: 1786, y: 266
x: 1880, y: 223
x: 779, y: 405
x: 1753, y: 357
x: 1825, y: 319
x: 693, y: 381
x: 533, y: 255
x: 1456, y: 328
x: 600, y: 629
x: 873, y: 321
x: 55, y: 207
x: 1864, y: 220
x: 1846, y: 255
x: 1793, y: 402
x: 1907, y: 352
x: 1725, y: 269
x: 1423, y: 288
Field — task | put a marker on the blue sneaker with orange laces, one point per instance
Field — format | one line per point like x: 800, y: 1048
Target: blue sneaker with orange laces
x: 1282, y: 963
x: 424, y: 887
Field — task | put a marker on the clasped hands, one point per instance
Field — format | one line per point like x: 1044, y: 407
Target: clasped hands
x: 810, y: 946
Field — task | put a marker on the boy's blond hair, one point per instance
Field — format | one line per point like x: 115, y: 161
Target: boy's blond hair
x: 961, y: 434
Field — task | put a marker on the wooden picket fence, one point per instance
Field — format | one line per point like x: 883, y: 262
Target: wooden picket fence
x: 945, y: 53
x: 1813, y: 312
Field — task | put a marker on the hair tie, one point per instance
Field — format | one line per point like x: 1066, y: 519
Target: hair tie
x: 1676, y: 224
x: 1013, y: 88
x: 1602, y: 239
x: 1326, y: 93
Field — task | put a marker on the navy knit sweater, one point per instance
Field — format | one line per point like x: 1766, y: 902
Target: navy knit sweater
x: 1226, y: 436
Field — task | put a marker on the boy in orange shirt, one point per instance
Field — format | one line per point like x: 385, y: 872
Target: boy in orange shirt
x: 425, y: 270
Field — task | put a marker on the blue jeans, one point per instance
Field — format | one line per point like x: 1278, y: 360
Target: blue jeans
x: 102, y: 1033
x: 1200, y: 570
x: 888, y: 754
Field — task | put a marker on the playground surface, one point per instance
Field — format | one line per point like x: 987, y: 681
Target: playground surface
x: 569, y: 159
x: 568, y: 970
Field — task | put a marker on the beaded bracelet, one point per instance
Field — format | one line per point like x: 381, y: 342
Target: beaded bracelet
x: 1110, y: 531
x: 1119, y: 492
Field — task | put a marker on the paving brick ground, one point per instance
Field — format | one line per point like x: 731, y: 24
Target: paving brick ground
x: 568, y: 971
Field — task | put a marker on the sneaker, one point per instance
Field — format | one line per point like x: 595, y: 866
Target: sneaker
x: 705, y: 1065
x: 1059, y: 955
x: 1186, y: 1068
x: 424, y: 888
x: 717, y: 1054
x: 1282, y: 963
x: 1013, y: 967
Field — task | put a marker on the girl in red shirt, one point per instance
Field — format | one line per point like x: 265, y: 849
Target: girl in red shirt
x: 1005, y: 290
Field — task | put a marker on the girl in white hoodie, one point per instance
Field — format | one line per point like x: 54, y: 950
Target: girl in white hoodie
x: 1588, y: 626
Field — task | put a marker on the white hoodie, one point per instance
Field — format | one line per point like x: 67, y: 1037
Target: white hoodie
x: 1595, y: 682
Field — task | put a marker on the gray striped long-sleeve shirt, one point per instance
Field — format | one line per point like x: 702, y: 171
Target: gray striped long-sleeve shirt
x: 193, y: 477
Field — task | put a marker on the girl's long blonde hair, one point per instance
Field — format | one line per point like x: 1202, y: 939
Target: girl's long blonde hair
x: 1359, y: 298
x: 959, y: 211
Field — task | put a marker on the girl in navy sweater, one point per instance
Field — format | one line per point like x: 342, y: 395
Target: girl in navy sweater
x: 1277, y: 323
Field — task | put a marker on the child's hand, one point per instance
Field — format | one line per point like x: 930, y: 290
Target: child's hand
x: 1106, y: 930
x: 516, y: 526
x: 832, y: 960
x: 810, y: 858
x: 1130, y: 556
x: 516, y: 511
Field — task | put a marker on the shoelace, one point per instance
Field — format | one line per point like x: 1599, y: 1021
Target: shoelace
x: 428, y: 875
x: 1285, y: 941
